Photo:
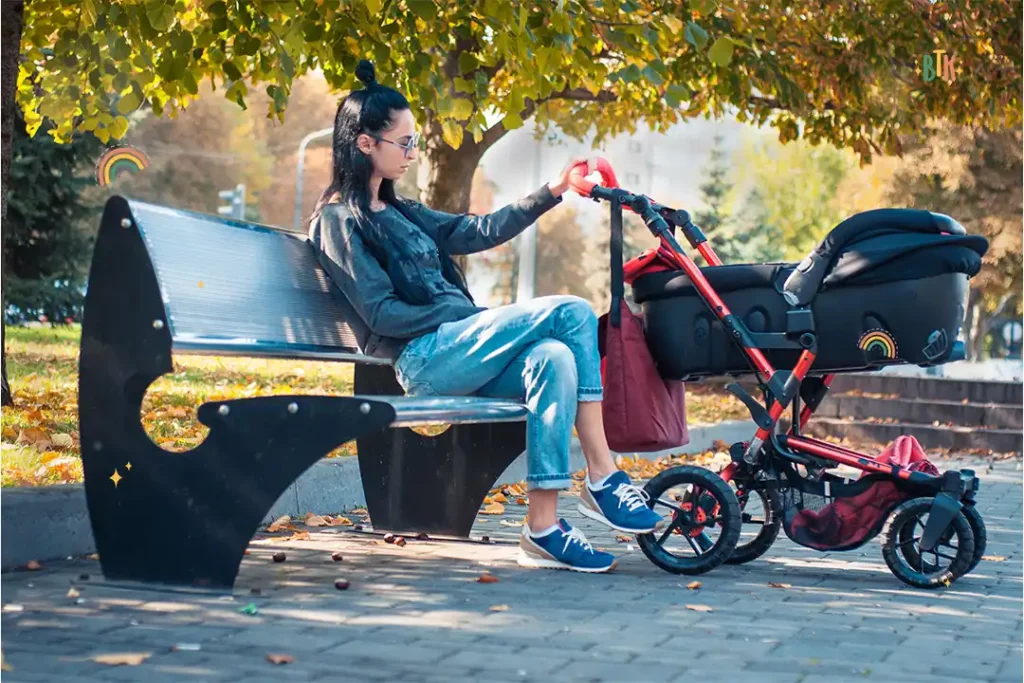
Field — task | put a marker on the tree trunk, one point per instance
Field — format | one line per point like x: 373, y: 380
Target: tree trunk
x: 450, y: 173
x: 11, y: 18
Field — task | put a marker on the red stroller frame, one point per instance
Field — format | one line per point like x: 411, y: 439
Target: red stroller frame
x: 947, y: 495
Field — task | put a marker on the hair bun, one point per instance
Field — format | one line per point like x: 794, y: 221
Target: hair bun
x: 366, y: 73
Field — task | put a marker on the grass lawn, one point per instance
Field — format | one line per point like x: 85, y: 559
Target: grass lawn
x: 40, y: 442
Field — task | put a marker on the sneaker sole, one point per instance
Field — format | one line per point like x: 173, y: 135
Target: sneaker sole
x: 598, y: 517
x: 525, y: 560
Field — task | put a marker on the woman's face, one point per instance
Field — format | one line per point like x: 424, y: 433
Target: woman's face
x: 390, y: 157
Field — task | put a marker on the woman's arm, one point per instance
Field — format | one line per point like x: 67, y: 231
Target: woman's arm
x: 367, y: 286
x: 468, y: 234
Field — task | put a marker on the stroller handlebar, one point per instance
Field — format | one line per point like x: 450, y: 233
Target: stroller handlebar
x: 582, y: 186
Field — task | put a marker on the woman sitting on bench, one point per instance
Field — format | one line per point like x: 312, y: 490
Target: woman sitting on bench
x: 391, y: 258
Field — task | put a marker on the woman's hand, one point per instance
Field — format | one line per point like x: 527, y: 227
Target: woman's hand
x: 560, y: 184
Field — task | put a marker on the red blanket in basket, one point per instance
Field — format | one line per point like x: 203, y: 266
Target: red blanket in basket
x: 848, y: 522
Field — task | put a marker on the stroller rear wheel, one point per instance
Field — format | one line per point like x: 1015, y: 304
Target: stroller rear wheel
x: 901, y: 549
x: 703, y: 520
x: 761, y: 519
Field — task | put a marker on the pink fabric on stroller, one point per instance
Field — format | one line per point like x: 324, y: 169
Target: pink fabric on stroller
x: 850, y: 521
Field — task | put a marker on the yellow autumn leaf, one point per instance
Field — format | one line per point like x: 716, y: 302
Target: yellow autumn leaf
x: 494, y: 509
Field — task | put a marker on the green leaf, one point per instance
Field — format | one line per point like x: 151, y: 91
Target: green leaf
x: 119, y: 128
x: 231, y: 71
x: 696, y: 36
x: 512, y: 121
x: 721, y: 52
x: 631, y: 74
x: 676, y: 94
x: 424, y: 9
x: 462, y: 109
x: 373, y: 7
x: 128, y: 103
x: 704, y: 7
x: 287, y: 64
x: 452, y: 133
x: 467, y: 62
x: 652, y: 75
x: 523, y: 14
x: 160, y: 15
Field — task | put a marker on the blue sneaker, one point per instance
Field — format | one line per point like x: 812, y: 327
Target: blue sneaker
x: 562, y: 548
x: 620, y: 505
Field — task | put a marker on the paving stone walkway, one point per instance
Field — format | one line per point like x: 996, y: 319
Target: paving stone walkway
x: 417, y: 613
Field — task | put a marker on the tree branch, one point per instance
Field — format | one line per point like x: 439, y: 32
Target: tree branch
x: 497, y: 131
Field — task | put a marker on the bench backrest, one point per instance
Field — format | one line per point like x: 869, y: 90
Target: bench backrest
x: 231, y: 287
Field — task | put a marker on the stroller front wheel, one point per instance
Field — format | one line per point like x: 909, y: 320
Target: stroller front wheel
x: 901, y: 539
x: 703, y: 520
x: 761, y: 523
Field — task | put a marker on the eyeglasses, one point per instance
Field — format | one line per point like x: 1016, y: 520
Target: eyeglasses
x: 415, y: 142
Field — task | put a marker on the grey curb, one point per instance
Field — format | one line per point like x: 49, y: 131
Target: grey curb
x: 52, y: 522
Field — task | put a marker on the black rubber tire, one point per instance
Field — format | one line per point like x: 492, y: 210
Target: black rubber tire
x: 980, y: 535
x: 729, y: 517
x: 745, y: 552
x: 893, y: 531
x: 977, y: 528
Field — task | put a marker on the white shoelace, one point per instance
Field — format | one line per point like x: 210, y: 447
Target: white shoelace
x: 575, y: 535
x: 633, y: 497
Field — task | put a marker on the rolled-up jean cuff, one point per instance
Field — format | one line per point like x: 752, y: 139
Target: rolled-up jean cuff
x: 585, y: 394
x: 549, y: 482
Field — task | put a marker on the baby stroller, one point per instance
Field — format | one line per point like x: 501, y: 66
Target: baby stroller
x: 884, y: 287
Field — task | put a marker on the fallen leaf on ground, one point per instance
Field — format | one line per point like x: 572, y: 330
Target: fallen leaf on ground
x: 694, y: 585
x: 508, y: 522
x: 340, y: 521
x: 699, y: 608
x: 280, y: 659
x: 315, y: 520
x: 775, y: 584
x: 33, y: 565
x: 279, y: 523
x: 186, y: 647
x: 487, y: 578
x: 622, y: 538
x: 499, y: 608
x: 499, y: 497
x: 122, y: 658
x: 4, y: 666
x: 993, y: 558
x: 297, y: 536
x: 73, y: 592
x: 63, y: 440
x: 358, y: 511
x: 34, y: 436
x: 250, y: 609
x: 521, y: 501
x: 494, y: 509
x: 488, y: 500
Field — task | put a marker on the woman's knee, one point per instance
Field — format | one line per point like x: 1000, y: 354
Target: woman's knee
x: 553, y: 356
x: 575, y: 311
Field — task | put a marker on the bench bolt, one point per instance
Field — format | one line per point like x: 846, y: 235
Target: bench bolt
x: 223, y: 410
x: 364, y: 408
x: 293, y: 408
x: 126, y: 223
x: 158, y: 324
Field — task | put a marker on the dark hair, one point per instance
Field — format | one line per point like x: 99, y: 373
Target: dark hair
x: 370, y: 111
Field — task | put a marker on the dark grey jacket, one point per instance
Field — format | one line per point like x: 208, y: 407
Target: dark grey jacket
x: 382, y: 322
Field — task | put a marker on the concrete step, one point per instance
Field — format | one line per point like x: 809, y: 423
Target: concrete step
x: 932, y: 388
x: 990, y: 415
x: 950, y: 437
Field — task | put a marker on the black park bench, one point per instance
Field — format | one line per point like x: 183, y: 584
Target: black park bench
x: 166, y: 281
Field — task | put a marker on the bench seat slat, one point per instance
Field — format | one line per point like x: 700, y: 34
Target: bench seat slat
x: 413, y: 410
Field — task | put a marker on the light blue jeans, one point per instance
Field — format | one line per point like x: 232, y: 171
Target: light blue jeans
x: 543, y: 352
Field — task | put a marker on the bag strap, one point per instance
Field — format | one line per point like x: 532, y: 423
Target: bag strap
x: 618, y: 288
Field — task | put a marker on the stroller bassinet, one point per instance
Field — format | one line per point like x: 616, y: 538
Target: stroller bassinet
x: 884, y: 287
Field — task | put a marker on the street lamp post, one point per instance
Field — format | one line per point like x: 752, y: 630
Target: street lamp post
x: 302, y: 162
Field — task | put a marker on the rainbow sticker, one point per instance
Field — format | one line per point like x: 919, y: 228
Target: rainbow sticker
x: 878, y: 345
x: 119, y: 160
